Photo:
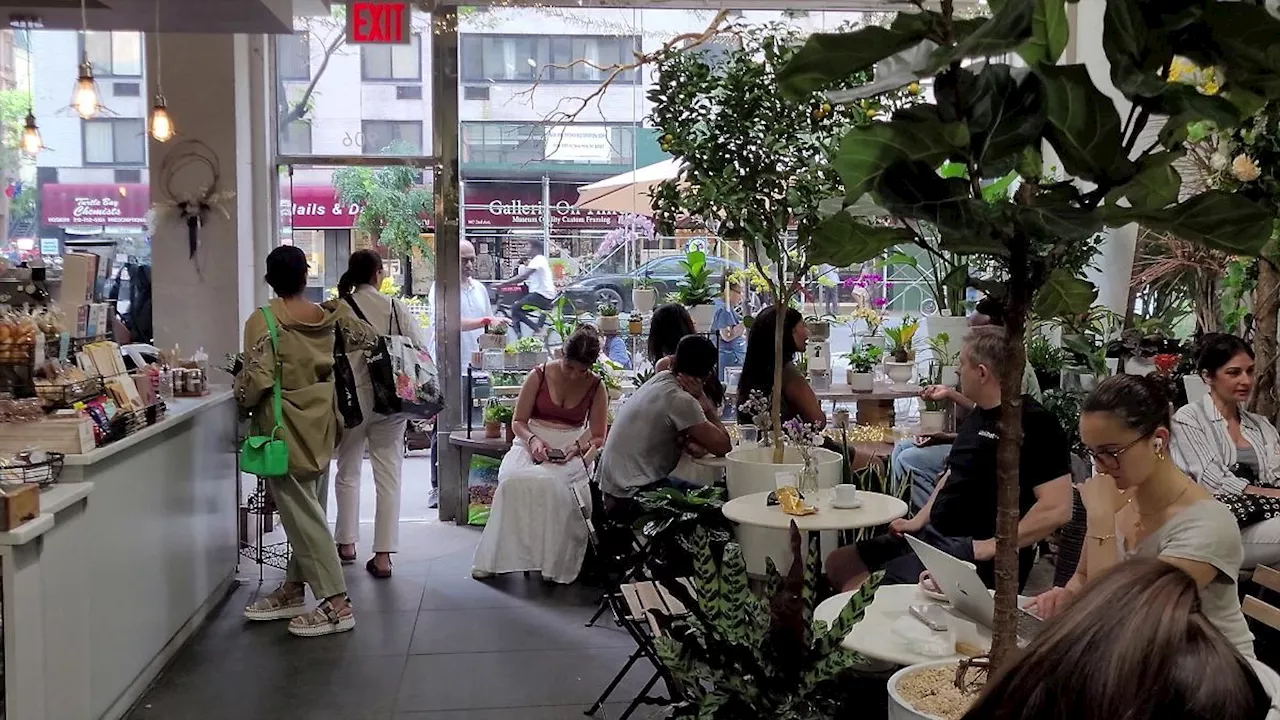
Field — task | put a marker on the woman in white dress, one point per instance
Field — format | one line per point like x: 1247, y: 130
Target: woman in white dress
x: 560, y: 421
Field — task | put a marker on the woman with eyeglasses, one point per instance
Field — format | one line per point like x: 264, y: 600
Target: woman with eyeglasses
x: 1139, y: 504
x: 1233, y: 453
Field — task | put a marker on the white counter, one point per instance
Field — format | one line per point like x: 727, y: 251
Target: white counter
x: 133, y: 547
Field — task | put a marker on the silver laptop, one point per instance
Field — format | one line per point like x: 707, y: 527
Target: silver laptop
x: 959, y: 581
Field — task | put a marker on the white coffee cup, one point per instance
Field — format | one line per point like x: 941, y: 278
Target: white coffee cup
x: 846, y: 494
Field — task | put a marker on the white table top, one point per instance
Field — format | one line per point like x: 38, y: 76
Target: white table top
x: 876, y: 510
x: 874, y: 638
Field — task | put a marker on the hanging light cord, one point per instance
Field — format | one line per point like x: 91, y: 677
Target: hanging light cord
x: 159, y: 55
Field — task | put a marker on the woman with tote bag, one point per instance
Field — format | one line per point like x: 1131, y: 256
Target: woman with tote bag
x: 383, y: 435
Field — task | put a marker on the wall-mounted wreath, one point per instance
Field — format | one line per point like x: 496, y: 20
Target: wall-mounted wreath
x: 190, y: 209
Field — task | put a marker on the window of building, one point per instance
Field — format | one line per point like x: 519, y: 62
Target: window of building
x: 116, y: 141
x: 518, y: 58
x: 117, y: 54
x: 514, y: 144
x: 293, y: 56
x: 391, y: 137
x: 392, y: 62
x: 295, y: 138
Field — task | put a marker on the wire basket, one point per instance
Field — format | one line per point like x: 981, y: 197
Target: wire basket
x: 65, y: 396
x: 43, y: 473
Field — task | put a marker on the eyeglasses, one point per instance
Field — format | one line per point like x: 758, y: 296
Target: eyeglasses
x: 1110, y: 459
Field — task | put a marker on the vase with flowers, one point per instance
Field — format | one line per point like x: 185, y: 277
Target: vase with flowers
x: 804, y: 437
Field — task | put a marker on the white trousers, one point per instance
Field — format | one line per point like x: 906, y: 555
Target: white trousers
x: 1261, y: 543
x: 385, y: 440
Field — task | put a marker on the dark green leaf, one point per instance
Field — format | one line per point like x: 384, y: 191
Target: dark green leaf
x: 1246, y: 39
x: 1003, y: 116
x: 1060, y: 222
x: 1216, y: 219
x: 1185, y: 105
x: 1050, y: 32
x: 828, y: 58
x: 1135, y: 59
x: 914, y: 190
x: 843, y: 240
x: 957, y: 280
x: 1156, y: 184
x: 1064, y: 295
x: 1030, y: 164
x: 1083, y: 125
x: 1004, y: 31
x: 866, y: 152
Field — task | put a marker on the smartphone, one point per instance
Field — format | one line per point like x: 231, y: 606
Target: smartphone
x: 933, y: 616
x: 555, y: 454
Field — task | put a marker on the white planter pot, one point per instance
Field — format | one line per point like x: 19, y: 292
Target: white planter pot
x: 932, y: 421
x: 898, y: 708
x: 820, y: 379
x: 491, y: 341
x: 950, y: 376
x: 643, y: 299
x: 1139, y: 366
x: 900, y: 373
x: 751, y: 470
x: 703, y: 315
x: 608, y: 324
x: 860, y: 382
x: 932, y: 325
x: 872, y: 341
x: 819, y: 330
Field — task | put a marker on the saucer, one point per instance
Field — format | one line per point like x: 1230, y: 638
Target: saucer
x: 843, y: 506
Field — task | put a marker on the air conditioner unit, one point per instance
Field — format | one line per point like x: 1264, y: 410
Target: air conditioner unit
x: 475, y: 92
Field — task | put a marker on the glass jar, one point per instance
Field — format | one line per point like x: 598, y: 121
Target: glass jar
x: 808, y: 475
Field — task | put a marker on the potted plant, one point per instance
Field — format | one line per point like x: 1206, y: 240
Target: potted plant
x: 608, y: 318
x: 635, y: 324
x: 1047, y: 360
x: 530, y: 351
x: 511, y: 356
x: 966, y: 676
x: 738, y: 655
x: 862, y: 363
x: 694, y: 290
x: 933, y: 413
x: 819, y: 327
x: 945, y: 358
x: 902, y: 354
x: 495, y: 416
x: 643, y: 295
x: 610, y: 374
x: 495, y: 336
x: 872, y: 320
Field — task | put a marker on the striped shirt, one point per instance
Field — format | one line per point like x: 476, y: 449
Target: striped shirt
x: 1203, y: 448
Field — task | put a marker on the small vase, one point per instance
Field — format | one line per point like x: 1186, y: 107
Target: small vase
x: 635, y: 327
x: 493, y: 431
x: 808, y: 476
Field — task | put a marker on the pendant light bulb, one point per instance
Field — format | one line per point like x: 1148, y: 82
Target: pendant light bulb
x: 31, y: 142
x: 161, y: 124
x: 85, y: 97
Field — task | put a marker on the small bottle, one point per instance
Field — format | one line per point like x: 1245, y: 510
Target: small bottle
x: 165, y: 391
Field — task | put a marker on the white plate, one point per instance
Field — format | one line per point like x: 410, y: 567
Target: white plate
x: 842, y: 506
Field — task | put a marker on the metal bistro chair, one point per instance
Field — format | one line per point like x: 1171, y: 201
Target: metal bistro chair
x: 637, y: 606
x: 619, y: 555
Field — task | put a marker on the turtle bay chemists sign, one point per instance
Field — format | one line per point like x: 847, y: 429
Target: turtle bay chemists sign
x: 379, y: 23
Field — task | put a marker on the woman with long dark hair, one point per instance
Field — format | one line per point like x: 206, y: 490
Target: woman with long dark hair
x: 290, y: 342
x: 798, y: 399
x: 382, y: 436
x: 1136, y: 645
x: 669, y: 324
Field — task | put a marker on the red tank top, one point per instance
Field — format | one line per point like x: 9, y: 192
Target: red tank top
x: 544, y: 408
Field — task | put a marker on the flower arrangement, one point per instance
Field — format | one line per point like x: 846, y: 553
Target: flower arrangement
x: 870, y: 316
x: 756, y: 407
x: 864, y: 359
x: 804, y: 437
x: 900, y: 338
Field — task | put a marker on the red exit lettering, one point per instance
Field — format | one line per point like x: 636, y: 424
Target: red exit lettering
x: 383, y: 23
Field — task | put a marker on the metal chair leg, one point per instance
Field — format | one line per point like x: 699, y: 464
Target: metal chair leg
x: 639, y: 653
x: 603, y: 603
x: 642, y: 697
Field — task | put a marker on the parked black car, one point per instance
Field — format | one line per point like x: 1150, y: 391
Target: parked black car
x: 591, y: 290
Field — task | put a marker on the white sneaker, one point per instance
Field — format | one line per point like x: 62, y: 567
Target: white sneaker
x: 478, y: 574
x: 433, y: 498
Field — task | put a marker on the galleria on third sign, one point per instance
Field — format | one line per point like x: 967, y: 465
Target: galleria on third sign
x: 518, y: 213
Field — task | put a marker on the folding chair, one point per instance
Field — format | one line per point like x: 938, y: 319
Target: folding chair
x: 636, y: 606
x: 617, y: 549
x: 1258, y: 609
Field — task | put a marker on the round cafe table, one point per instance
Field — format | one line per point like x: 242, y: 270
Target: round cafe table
x: 876, y: 510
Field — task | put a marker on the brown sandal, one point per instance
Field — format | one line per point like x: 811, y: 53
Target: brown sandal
x: 346, y: 559
x: 372, y: 567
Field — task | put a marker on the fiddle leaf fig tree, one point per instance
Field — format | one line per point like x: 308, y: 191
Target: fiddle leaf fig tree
x: 992, y: 118
x: 751, y: 161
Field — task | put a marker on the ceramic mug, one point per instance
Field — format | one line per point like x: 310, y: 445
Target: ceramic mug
x: 846, y: 494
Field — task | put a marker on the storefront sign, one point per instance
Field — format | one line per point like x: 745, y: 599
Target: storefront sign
x: 85, y: 204
x: 578, y: 143
x: 378, y: 23
x: 519, y: 205
x: 316, y: 207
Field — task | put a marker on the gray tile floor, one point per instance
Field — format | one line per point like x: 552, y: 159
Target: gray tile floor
x: 431, y: 643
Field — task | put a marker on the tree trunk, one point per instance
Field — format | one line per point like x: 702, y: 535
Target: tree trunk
x: 1008, y: 454
x: 775, y: 402
x: 1267, y: 306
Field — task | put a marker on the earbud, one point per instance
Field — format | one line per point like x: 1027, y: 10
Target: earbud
x: 1159, y: 444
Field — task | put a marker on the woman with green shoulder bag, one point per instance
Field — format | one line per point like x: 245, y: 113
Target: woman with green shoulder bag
x: 286, y: 384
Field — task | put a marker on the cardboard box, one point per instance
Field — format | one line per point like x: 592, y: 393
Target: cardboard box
x: 100, y: 319
x: 82, y: 321
x: 79, y: 277
x: 18, y: 504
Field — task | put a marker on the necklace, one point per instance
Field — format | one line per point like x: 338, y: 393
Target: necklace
x: 1162, y: 508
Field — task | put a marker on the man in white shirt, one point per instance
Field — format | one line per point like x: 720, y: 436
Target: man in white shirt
x: 536, y: 273
x: 477, y: 314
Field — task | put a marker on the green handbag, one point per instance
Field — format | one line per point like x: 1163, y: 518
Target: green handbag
x: 268, y: 456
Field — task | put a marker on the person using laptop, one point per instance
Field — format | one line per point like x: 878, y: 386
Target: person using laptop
x: 1140, y: 504
x: 960, y: 516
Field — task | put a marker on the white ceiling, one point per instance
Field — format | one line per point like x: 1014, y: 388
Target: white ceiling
x: 211, y: 16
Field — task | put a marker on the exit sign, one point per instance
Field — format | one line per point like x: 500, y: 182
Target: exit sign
x: 378, y: 23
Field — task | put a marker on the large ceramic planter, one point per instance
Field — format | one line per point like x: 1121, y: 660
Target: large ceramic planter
x: 860, y: 382
x: 608, y: 324
x: 900, y: 373
x: 751, y: 470
x: 643, y: 299
x: 932, y: 325
x: 899, y: 709
x: 703, y: 316
x: 932, y: 421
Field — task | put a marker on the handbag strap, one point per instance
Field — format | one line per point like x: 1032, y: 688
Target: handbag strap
x: 276, y: 402
x: 352, y: 302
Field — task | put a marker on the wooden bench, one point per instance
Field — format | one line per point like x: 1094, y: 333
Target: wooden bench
x: 1261, y: 610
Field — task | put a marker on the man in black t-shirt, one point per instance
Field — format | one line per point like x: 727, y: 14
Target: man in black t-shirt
x: 960, y: 517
